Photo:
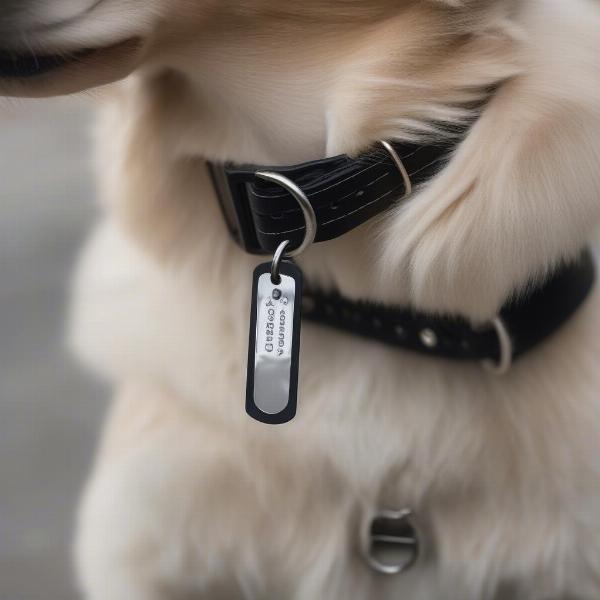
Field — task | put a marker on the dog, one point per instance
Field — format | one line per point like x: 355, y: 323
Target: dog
x: 189, y: 497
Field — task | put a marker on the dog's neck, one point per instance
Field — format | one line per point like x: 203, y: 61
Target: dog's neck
x: 271, y: 95
x: 271, y: 92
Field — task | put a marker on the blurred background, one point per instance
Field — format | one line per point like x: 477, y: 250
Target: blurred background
x: 50, y: 410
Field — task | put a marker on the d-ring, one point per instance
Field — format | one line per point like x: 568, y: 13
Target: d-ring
x: 506, y: 349
x: 398, y: 162
x: 390, y: 542
x: 310, y: 219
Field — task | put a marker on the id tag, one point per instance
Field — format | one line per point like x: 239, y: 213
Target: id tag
x: 273, y: 353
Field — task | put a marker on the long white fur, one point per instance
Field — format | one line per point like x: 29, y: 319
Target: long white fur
x: 188, y: 496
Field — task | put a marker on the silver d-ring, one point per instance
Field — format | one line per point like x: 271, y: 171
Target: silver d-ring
x: 390, y: 542
x: 276, y: 262
x: 398, y: 162
x: 506, y: 349
x: 310, y: 219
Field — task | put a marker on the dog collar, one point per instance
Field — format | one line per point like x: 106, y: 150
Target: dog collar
x: 343, y: 193
x: 521, y: 325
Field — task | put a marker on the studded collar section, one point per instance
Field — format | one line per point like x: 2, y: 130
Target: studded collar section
x: 521, y: 325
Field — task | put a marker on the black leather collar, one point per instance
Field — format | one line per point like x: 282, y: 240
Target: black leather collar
x: 345, y: 193
x: 526, y: 321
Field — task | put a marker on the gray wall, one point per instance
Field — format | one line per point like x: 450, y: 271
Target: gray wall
x: 50, y: 410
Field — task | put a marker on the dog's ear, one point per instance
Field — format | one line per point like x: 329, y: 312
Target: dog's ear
x: 521, y: 193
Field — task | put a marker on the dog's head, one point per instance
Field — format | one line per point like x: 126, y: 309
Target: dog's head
x: 61, y: 46
x: 51, y: 47
x: 269, y: 80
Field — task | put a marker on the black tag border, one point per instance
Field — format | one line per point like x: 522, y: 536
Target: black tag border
x: 289, y: 412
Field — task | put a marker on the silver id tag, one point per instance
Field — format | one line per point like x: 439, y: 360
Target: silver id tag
x: 274, y: 348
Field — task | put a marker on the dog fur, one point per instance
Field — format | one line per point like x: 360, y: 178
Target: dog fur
x: 188, y: 497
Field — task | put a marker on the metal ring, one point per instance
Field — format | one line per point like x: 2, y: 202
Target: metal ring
x: 506, y: 349
x: 398, y: 162
x: 310, y: 219
x: 391, y: 538
x: 276, y: 262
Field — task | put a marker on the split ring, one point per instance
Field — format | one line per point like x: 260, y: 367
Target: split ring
x: 275, y: 264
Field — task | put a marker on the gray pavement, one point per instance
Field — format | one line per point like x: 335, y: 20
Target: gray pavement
x: 50, y: 410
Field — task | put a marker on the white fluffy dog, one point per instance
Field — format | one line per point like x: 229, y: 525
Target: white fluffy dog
x: 189, y: 497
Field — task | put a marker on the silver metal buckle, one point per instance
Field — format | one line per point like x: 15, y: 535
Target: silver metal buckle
x: 506, y: 349
x: 398, y: 162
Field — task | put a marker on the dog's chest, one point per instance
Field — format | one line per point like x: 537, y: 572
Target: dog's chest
x: 390, y: 430
x: 370, y: 408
